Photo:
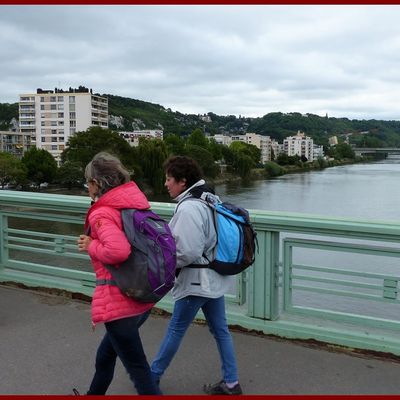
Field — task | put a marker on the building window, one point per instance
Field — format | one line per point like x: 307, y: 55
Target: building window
x: 54, y: 131
x: 72, y: 115
x: 72, y: 124
x: 54, y: 147
x: 42, y: 99
x: 60, y: 115
x: 72, y: 131
x: 43, y: 139
x: 54, y: 139
x: 72, y: 99
x: 72, y: 107
x: 53, y: 99
x: 42, y: 107
x: 53, y: 106
x: 60, y: 106
x: 60, y: 98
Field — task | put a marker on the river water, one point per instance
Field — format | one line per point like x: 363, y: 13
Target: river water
x: 369, y: 191
x: 363, y: 191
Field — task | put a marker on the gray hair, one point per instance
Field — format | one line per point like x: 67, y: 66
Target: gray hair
x: 108, y: 172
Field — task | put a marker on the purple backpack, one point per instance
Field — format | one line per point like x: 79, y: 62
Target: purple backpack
x: 149, y: 272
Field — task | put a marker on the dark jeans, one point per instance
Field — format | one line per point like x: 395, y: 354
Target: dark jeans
x: 122, y: 339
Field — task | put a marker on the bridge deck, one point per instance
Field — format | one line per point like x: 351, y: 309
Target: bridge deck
x: 49, y: 347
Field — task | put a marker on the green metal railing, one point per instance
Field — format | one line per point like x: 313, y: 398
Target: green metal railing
x: 335, y: 280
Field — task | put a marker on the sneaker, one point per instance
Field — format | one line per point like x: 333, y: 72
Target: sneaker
x: 222, y: 388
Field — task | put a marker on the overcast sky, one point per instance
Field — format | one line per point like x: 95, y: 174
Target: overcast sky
x: 243, y: 60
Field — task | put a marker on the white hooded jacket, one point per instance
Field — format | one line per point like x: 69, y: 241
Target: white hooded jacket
x: 193, y: 228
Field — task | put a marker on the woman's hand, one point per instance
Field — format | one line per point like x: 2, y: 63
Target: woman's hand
x: 84, y: 242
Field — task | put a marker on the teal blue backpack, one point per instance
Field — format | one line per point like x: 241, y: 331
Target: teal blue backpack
x: 236, y: 237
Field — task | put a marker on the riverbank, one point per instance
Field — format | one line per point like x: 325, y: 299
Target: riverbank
x: 277, y: 170
x: 226, y: 177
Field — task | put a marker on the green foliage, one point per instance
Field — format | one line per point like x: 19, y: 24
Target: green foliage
x: 284, y: 159
x: 204, y: 158
x: 7, y: 113
x: 175, y: 144
x: 151, y: 155
x: 41, y: 166
x: 197, y: 138
x: 228, y: 155
x: 273, y: 169
x: 321, y: 162
x: 243, y: 164
x: 138, y: 114
x: 341, y: 151
x: 83, y: 146
x: 12, y: 170
x: 247, y: 149
x: 71, y: 174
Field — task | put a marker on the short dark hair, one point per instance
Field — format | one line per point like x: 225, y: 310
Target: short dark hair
x: 182, y: 167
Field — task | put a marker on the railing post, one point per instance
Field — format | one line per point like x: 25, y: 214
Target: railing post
x: 263, y: 278
x: 3, y: 250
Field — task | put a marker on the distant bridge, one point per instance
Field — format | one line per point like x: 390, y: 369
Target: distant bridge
x: 359, y: 151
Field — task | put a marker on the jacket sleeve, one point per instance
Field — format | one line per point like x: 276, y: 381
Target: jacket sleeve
x: 188, y: 229
x: 109, y: 244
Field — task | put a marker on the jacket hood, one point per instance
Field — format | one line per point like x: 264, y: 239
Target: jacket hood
x: 127, y: 195
x: 199, y: 190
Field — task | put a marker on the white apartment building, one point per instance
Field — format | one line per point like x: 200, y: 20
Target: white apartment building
x: 277, y: 148
x: 264, y: 143
x: 333, y: 141
x: 133, y: 137
x: 300, y: 144
x: 318, y: 152
x: 51, y: 117
x: 15, y: 143
x: 222, y: 139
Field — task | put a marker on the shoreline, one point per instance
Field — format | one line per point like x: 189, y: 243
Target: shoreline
x: 262, y: 174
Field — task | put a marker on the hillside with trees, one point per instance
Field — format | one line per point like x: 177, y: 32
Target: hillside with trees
x: 128, y: 114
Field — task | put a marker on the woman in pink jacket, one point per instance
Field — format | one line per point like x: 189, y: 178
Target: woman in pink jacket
x: 111, y: 190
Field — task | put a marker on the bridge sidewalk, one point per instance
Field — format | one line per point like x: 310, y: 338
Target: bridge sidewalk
x: 47, y: 346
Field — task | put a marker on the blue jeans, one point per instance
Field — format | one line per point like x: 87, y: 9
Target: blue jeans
x: 185, y: 311
x: 122, y: 339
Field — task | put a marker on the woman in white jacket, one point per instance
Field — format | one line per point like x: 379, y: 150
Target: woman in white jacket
x: 196, y: 287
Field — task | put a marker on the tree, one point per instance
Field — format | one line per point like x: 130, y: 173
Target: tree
x: 83, y: 146
x: 197, y: 138
x: 41, y: 166
x: 340, y: 151
x: 204, y: 159
x: 282, y: 159
x: 175, y: 144
x: 152, y: 154
x: 215, y: 149
x: 70, y: 174
x: 243, y: 164
x: 12, y: 170
x: 247, y: 149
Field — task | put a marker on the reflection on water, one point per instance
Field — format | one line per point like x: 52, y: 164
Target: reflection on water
x: 360, y: 190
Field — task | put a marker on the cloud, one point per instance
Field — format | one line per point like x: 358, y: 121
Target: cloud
x: 244, y: 60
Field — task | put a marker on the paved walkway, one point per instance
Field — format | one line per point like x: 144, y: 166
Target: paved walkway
x: 47, y: 346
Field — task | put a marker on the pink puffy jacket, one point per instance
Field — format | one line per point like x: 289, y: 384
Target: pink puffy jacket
x: 109, y: 245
